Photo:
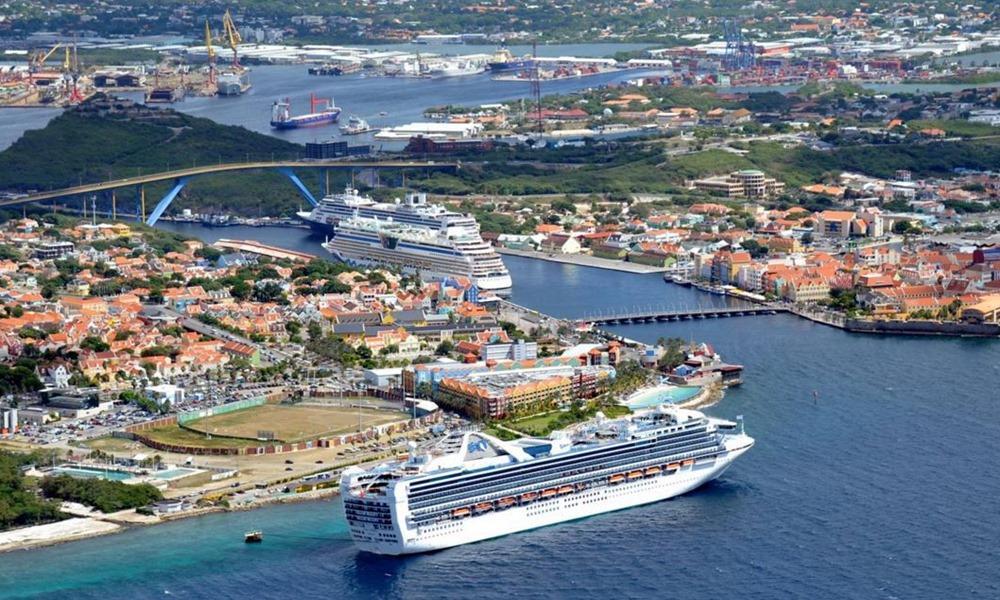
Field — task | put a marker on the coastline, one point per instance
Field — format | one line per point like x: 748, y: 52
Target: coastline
x: 82, y: 528
x: 583, y: 260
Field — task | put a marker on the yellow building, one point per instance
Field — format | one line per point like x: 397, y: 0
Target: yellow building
x: 497, y: 395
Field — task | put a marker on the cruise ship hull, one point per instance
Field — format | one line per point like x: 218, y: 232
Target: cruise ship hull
x: 426, y: 269
x: 541, y: 513
x: 326, y: 229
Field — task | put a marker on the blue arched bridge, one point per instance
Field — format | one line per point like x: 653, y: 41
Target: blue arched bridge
x: 180, y: 178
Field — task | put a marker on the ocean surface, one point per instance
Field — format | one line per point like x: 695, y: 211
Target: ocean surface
x: 873, y: 477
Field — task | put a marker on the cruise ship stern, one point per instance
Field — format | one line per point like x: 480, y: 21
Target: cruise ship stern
x: 372, y: 512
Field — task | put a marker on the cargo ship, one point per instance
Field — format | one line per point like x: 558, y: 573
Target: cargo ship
x: 504, y: 60
x: 281, y: 117
x: 335, y: 70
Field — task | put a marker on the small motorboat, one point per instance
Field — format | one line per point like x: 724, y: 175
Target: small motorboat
x: 253, y: 537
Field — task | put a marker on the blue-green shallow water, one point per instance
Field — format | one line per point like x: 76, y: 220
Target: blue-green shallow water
x: 882, y: 485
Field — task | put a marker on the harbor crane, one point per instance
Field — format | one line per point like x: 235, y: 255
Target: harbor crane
x: 231, y: 37
x: 71, y: 75
x: 740, y: 53
x: 37, y: 61
x: 211, y: 53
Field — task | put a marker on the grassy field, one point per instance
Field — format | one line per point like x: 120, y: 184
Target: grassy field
x: 293, y: 423
x: 183, y: 437
x: 112, y: 444
x: 545, y: 423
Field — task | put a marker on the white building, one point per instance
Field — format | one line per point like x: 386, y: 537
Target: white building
x: 382, y: 378
x: 9, y: 421
x: 165, y: 393
x: 435, y: 131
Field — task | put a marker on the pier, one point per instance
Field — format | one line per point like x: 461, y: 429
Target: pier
x: 655, y: 315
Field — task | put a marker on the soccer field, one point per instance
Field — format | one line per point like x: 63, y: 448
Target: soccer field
x: 294, y: 423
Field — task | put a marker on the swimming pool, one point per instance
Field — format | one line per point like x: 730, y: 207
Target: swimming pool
x: 660, y: 394
x: 93, y: 473
x: 174, y: 473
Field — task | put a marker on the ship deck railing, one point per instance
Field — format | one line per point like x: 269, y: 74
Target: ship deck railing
x: 544, y: 471
x: 600, y: 479
x: 427, y: 512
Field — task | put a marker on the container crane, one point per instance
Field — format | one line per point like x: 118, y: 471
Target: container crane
x: 231, y: 37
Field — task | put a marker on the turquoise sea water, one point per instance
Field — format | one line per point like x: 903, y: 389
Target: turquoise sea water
x: 872, y: 478
x: 672, y: 395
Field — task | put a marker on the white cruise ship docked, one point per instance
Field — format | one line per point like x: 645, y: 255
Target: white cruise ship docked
x: 414, y: 209
x: 471, y: 486
x: 452, y: 248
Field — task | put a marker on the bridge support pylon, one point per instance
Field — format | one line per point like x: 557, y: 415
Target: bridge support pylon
x: 290, y: 174
x: 165, y: 202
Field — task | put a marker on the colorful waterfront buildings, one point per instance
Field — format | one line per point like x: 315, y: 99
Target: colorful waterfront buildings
x: 500, y: 394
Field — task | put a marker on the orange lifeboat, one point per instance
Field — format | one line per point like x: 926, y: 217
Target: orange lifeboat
x: 673, y: 466
x: 565, y: 489
x: 529, y: 497
x: 460, y: 513
x: 687, y: 462
x: 618, y: 478
x: 652, y: 471
x: 549, y: 493
x: 634, y: 475
x: 506, y: 502
x: 484, y: 507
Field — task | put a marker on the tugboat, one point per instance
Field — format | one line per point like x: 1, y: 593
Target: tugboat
x: 355, y: 126
x: 253, y: 537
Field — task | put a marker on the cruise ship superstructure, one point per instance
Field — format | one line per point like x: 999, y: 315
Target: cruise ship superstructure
x: 451, y: 248
x: 471, y: 486
x: 413, y: 210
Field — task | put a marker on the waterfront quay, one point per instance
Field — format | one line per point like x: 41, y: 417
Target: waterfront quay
x: 585, y: 260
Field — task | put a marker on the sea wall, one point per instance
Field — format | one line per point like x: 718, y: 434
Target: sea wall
x: 923, y: 328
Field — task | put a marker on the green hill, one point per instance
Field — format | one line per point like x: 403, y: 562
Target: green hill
x: 89, y: 144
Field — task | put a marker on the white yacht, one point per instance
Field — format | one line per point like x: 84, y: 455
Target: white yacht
x: 471, y: 486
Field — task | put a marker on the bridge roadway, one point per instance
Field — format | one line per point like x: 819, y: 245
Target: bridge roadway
x: 681, y: 315
x: 184, y: 174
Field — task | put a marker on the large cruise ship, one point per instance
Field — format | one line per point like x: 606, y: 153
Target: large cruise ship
x: 451, y: 247
x: 414, y: 210
x: 471, y: 486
